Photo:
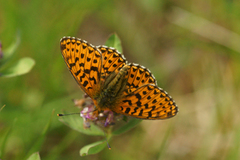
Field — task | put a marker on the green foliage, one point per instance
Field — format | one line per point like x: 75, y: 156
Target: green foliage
x: 39, y: 141
x: 9, y: 52
x: 76, y: 123
x: 34, y: 156
x: 129, y: 125
x: 93, y: 148
x: 115, y: 42
x: 4, y: 140
x: 2, y: 108
x: 23, y: 66
x: 20, y: 67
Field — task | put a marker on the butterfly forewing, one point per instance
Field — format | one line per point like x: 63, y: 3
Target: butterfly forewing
x: 84, y: 62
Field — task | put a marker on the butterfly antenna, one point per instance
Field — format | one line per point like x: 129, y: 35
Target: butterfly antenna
x: 66, y: 114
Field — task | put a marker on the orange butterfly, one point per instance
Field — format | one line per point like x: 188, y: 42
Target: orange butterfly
x: 114, y: 84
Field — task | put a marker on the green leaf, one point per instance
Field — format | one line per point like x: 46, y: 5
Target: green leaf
x: 115, y: 42
x: 64, y: 144
x: 129, y: 125
x: 34, y: 156
x: 165, y: 142
x: 7, y: 54
x: 76, y: 123
x: 2, y: 108
x: 3, y: 145
x: 38, y: 143
x: 23, y: 66
x: 93, y: 148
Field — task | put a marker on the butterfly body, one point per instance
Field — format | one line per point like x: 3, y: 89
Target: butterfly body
x: 113, y: 83
x: 111, y: 90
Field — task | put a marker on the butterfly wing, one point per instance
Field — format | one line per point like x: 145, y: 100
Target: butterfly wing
x: 143, y: 98
x: 84, y: 62
x: 113, y: 61
x: 148, y: 102
x: 138, y: 76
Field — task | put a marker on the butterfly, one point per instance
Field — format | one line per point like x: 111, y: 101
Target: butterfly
x: 114, y: 84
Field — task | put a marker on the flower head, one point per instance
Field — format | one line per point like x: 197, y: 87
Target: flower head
x: 89, y: 113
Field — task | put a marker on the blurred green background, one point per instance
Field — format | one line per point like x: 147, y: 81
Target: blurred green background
x: 191, y: 47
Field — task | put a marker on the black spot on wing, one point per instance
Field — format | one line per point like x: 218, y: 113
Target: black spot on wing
x: 154, y: 101
x: 94, y: 68
x: 115, y: 55
x: 146, y: 105
x: 82, y: 55
x: 128, y: 101
x: 87, y: 71
x: 135, y: 110
x: 141, y: 112
x: 97, y: 55
x: 71, y: 65
x: 85, y: 83
x: 90, y: 51
x: 93, y: 79
x: 149, y: 114
x: 139, y: 104
x: 127, y: 110
x: 77, y: 73
x: 81, y: 64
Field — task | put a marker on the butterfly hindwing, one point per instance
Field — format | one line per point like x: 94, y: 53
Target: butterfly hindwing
x: 113, y: 61
x: 138, y: 76
x: 148, y: 102
x: 84, y: 62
